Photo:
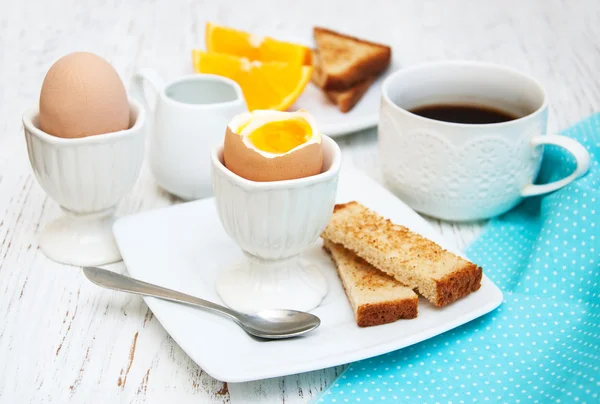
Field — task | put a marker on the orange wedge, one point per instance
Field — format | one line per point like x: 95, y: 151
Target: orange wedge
x: 266, y: 85
x: 239, y: 43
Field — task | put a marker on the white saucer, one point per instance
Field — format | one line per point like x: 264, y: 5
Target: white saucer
x: 184, y: 247
x: 334, y: 123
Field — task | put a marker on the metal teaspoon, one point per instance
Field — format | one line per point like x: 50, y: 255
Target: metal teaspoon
x: 269, y: 324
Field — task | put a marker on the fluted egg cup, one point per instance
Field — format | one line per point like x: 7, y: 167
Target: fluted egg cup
x: 273, y: 223
x: 87, y: 177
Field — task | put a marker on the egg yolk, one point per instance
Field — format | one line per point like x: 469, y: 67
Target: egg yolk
x: 280, y: 137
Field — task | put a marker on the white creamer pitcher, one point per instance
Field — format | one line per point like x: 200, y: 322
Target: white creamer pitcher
x: 191, y: 114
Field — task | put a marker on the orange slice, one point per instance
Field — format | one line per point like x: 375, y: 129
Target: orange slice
x: 266, y: 85
x: 239, y: 43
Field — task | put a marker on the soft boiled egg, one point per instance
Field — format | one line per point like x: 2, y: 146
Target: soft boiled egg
x: 273, y: 146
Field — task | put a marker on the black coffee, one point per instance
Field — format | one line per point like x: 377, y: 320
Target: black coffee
x: 475, y: 114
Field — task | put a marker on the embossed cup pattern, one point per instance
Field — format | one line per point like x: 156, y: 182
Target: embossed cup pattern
x: 436, y: 175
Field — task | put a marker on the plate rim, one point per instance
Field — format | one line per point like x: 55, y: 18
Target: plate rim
x: 341, y: 358
x: 340, y: 130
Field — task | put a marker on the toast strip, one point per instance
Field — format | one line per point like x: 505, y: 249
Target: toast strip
x: 344, y: 99
x: 375, y: 297
x: 346, y: 60
x: 411, y: 259
x: 347, y: 99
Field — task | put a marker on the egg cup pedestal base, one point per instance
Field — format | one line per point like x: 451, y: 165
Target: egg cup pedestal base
x: 81, y: 239
x: 254, y: 284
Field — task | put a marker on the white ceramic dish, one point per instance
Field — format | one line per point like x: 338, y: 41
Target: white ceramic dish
x: 334, y: 123
x: 184, y: 247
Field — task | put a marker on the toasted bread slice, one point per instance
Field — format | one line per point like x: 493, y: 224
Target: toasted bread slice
x: 375, y: 297
x: 346, y: 60
x: 347, y: 99
x: 344, y: 99
x: 411, y: 259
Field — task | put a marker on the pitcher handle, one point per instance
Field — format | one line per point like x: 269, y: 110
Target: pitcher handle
x: 582, y: 159
x: 138, y: 90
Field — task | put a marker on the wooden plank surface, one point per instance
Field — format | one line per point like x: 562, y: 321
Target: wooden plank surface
x: 65, y: 340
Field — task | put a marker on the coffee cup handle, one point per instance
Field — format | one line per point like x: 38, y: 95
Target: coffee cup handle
x: 138, y: 89
x: 582, y: 159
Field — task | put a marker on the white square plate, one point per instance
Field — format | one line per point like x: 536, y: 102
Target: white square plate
x: 183, y: 247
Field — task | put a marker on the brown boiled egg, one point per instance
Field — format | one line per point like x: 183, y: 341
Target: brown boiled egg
x: 273, y: 146
x: 82, y: 95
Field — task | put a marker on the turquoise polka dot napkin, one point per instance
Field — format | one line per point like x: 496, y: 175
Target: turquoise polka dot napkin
x: 543, y: 343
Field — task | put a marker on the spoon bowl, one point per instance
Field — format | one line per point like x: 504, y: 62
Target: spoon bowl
x: 278, y: 324
x: 266, y: 324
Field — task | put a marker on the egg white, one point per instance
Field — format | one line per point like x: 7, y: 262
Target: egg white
x: 255, y: 119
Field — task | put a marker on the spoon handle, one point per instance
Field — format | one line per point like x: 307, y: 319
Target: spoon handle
x: 115, y: 281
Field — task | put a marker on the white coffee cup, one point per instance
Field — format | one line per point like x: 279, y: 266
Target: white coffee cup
x: 463, y: 172
x: 191, y: 114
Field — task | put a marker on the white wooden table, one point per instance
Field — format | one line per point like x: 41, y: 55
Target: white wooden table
x: 63, y: 339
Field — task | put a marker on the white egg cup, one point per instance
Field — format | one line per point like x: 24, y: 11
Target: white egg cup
x: 273, y: 223
x: 87, y: 177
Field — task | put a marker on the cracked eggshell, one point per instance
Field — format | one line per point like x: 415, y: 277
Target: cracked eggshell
x: 303, y: 161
